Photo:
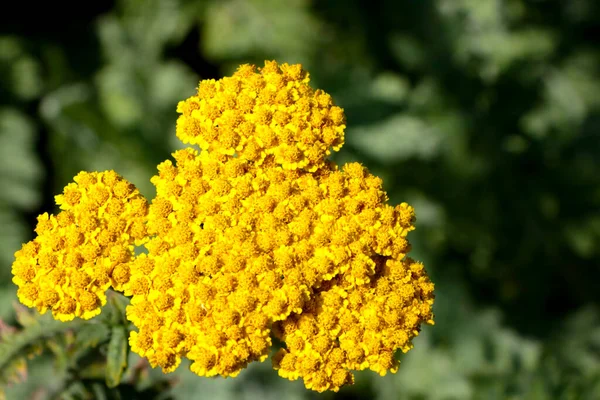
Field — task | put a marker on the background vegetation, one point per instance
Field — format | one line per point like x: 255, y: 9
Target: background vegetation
x: 483, y: 114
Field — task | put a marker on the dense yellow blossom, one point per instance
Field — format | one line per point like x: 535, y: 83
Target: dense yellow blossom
x: 239, y: 246
x: 349, y: 327
x: 255, y: 114
x: 85, y: 249
x: 256, y: 236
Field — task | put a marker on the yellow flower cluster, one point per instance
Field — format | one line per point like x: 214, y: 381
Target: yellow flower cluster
x: 257, y: 235
x: 85, y: 249
x: 254, y: 114
x: 347, y: 327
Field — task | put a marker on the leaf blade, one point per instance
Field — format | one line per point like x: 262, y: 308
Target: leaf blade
x: 116, y: 360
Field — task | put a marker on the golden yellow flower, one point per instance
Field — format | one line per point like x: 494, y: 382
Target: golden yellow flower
x: 257, y: 235
x: 85, y: 249
x: 254, y: 114
x: 355, y: 327
x: 239, y: 246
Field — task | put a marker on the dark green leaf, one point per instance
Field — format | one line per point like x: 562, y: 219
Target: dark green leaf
x: 116, y: 360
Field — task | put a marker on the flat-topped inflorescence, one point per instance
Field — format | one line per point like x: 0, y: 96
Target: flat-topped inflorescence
x: 256, y: 236
x: 254, y: 114
x: 83, y: 250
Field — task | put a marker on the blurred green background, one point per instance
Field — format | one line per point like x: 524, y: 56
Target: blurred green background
x: 483, y: 114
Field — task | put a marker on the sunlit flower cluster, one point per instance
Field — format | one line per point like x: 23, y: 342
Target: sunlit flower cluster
x: 354, y: 327
x: 83, y: 250
x: 255, y: 114
x: 256, y: 236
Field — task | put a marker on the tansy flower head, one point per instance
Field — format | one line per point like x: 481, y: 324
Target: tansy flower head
x: 239, y: 247
x: 355, y: 327
x: 85, y: 249
x: 257, y: 235
x: 273, y: 111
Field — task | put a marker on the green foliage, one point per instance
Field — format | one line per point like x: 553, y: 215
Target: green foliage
x: 35, y: 335
x: 116, y: 358
x: 483, y: 114
x: 73, y: 360
x: 20, y: 177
